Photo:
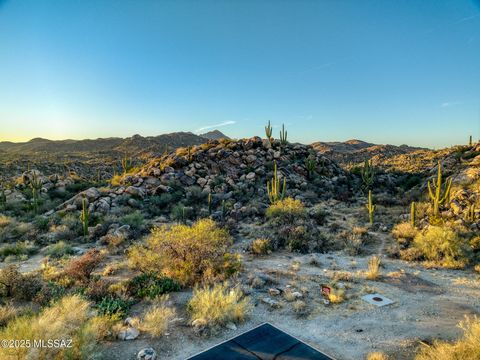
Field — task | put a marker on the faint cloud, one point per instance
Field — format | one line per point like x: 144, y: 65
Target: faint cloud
x: 450, y: 104
x: 209, y: 127
x: 466, y: 18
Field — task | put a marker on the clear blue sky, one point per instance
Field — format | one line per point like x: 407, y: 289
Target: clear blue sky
x: 383, y: 71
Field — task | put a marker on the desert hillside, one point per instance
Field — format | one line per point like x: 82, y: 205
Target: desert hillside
x: 269, y: 222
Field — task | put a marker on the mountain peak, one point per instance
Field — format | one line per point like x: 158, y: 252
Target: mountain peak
x: 214, y: 135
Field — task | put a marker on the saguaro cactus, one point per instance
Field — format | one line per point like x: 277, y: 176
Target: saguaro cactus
x: 370, y: 207
x: 126, y: 164
x: 283, y: 136
x: 412, y: 214
x: 3, y: 197
x: 275, y: 190
x: 35, y: 185
x: 269, y: 132
x: 310, y: 165
x: 85, y: 216
x: 368, y: 174
x: 209, y: 203
x: 470, y: 142
x: 439, y: 191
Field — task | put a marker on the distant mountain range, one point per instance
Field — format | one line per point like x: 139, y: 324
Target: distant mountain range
x: 135, y: 145
x: 354, y: 151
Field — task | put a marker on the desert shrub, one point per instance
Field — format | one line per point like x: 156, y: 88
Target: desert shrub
x: 158, y: 204
x: 151, y: 285
x: 102, y: 327
x: 287, y: 211
x: 7, y: 313
x: 441, y: 245
x: 156, y: 319
x: 404, y: 230
x: 5, y: 221
x: 189, y: 254
x: 336, y: 296
x: 64, y: 320
x: 319, y: 214
x: 18, y: 249
x: 218, y: 305
x: 377, y: 356
x: 261, y: 246
x: 373, y: 268
x: 59, y: 250
x: 49, y: 292
x: 354, y: 240
x: 112, y: 305
x: 41, y: 223
x: 466, y: 348
x: 14, y: 284
x: 181, y: 213
x: 135, y: 220
x: 81, y: 268
x: 98, y: 289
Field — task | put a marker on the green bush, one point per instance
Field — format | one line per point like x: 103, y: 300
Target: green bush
x: 17, y: 249
x: 135, y: 220
x: 113, y: 306
x: 59, y: 250
x: 150, y: 285
x: 441, y: 245
x: 287, y: 210
x: 188, y: 254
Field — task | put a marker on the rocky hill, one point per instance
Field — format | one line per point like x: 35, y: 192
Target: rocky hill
x: 87, y: 157
x: 354, y: 152
x: 235, y: 173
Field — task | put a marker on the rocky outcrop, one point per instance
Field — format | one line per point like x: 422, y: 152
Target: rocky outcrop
x: 234, y: 171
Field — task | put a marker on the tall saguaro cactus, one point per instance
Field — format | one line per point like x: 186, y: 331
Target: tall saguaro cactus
x: 283, y: 136
x: 85, y: 216
x: 275, y: 190
x: 470, y: 142
x: 3, y: 197
x: 368, y: 174
x: 35, y: 185
x: 269, y: 132
x: 370, y: 207
x: 439, y: 191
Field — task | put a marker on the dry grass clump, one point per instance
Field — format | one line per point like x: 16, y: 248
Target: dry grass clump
x: 373, y: 268
x: 287, y: 210
x: 189, y: 254
x: 441, y: 245
x: 405, y: 231
x: 218, y: 305
x: 466, y: 348
x: 156, y: 319
x: 377, y: 356
x: 261, y: 246
x: 7, y: 313
x: 67, y: 319
x: 299, y: 306
x: 354, y: 239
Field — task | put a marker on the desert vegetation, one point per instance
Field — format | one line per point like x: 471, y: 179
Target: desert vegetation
x: 203, y: 239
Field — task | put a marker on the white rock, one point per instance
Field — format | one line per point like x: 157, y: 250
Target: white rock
x: 147, y: 354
